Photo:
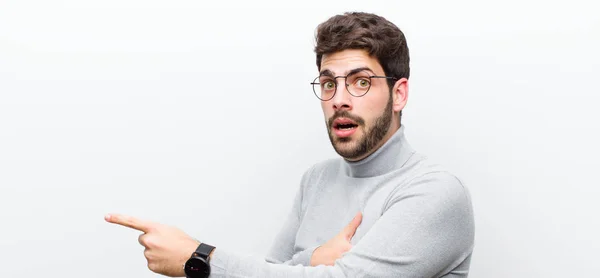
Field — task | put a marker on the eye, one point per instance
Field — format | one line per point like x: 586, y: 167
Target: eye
x: 328, y: 85
x: 362, y: 83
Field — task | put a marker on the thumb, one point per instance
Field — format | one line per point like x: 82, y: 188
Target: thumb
x: 351, y: 228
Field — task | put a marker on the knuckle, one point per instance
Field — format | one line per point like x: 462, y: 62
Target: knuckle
x: 152, y: 266
x: 148, y: 242
x: 344, y: 247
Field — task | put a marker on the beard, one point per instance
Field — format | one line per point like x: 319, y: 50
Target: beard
x: 350, y: 148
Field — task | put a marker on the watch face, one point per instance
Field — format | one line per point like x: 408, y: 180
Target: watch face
x: 197, y: 267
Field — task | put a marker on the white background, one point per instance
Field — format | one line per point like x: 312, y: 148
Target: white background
x: 200, y: 115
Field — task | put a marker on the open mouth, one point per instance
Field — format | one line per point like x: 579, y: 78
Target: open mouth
x: 345, y: 126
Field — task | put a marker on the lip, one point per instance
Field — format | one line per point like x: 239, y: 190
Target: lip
x: 343, y: 121
x: 342, y: 133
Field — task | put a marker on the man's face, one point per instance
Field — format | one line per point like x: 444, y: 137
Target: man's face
x: 357, y: 126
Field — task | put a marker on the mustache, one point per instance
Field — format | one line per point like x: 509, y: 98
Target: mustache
x: 345, y: 114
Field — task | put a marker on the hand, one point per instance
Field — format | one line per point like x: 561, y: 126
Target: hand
x: 167, y: 248
x: 334, y: 249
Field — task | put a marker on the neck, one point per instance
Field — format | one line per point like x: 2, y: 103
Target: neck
x: 390, y: 156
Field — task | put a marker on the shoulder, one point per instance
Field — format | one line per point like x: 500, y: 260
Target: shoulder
x: 433, y: 184
x: 440, y: 183
x: 319, y: 174
x: 428, y: 174
x: 438, y: 200
x: 318, y: 170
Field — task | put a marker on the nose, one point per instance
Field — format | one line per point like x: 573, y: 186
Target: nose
x: 342, y: 98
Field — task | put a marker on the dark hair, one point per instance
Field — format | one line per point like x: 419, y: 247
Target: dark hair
x: 358, y: 30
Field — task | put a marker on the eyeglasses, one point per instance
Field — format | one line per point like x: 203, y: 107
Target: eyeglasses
x: 357, y: 84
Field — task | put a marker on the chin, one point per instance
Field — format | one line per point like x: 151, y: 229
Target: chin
x: 344, y: 140
x: 346, y: 148
x: 356, y: 137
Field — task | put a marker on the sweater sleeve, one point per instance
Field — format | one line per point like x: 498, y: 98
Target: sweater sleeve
x: 283, y: 249
x: 425, y: 230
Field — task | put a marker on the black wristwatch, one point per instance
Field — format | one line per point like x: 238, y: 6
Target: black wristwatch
x: 198, y: 266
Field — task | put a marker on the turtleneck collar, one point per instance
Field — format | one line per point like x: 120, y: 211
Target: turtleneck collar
x: 389, y: 157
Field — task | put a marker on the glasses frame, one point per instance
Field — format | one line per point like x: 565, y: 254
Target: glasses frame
x: 315, y: 82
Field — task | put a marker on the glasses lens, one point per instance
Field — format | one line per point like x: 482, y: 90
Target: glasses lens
x: 324, y: 87
x: 359, y: 83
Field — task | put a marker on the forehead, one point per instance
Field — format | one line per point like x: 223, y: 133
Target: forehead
x: 342, y: 62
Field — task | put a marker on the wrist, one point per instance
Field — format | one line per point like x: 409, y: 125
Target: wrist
x: 197, y: 243
x: 198, y: 265
x: 314, y: 257
x: 211, y: 253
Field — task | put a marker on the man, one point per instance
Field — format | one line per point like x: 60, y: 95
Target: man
x: 382, y: 210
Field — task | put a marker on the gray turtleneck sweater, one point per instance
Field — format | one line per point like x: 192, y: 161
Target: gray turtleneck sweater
x: 417, y: 221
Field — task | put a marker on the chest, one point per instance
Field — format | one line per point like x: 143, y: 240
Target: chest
x: 335, y: 205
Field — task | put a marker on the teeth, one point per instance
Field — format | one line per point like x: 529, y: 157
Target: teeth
x: 345, y: 126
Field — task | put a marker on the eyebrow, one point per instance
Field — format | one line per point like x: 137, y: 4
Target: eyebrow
x: 353, y: 71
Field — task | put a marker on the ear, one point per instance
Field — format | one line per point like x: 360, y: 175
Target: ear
x: 400, y: 94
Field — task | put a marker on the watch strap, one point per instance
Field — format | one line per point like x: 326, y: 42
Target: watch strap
x: 204, y: 251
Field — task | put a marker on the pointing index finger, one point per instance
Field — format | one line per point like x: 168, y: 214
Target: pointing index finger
x: 129, y: 221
